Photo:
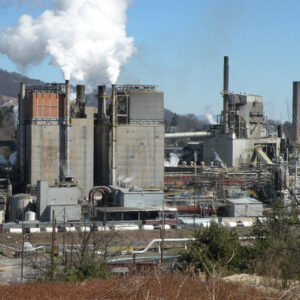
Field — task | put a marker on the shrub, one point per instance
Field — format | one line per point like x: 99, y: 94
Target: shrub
x: 277, y: 246
x: 218, y: 248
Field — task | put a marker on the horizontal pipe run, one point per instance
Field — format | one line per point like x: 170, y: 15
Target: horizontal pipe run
x: 186, y: 134
x: 165, y: 240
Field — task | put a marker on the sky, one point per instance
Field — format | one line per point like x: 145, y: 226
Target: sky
x: 181, y: 44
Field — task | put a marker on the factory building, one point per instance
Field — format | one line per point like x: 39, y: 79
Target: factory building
x: 240, y: 138
x: 244, y: 207
x: 129, y: 137
x: 55, y: 138
x: 63, y: 200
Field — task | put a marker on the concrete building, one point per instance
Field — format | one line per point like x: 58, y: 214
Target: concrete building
x: 129, y: 137
x: 63, y: 200
x: 240, y: 139
x: 136, y: 198
x: 244, y: 207
x: 236, y: 152
x: 55, y: 139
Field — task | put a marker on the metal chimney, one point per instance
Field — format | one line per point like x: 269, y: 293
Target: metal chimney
x: 226, y: 73
x: 101, y: 103
x: 80, y: 93
x: 114, y: 138
x: 80, y: 101
x: 67, y: 125
x: 21, y: 127
x: 279, y: 131
x: 67, y: 102
x: 225, y: 93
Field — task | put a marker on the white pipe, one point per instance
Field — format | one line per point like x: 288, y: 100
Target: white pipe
x: 20, y: 250
x: 186, y: 134
x: 159, y: 240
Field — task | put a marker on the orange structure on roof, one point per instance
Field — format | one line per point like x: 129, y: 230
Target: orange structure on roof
x: 45, y: 106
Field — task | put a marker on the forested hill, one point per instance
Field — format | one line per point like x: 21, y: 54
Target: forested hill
x: 10, y: 83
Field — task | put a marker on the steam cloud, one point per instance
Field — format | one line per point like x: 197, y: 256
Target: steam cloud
x: 210, y: 118
x: 86, y: 39
x: 173, y: 161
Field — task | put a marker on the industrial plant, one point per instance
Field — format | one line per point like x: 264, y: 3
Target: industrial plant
x: 79, y: 163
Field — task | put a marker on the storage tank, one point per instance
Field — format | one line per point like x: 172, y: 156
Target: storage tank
x: 3, y: 201
x: 30, y: 216
x: 16, y: 204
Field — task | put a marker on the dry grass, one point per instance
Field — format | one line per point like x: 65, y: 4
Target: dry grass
x: 151, y: 286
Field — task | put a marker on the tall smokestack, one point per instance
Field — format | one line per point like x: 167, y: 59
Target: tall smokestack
x: 21, y: 129
x: 114, y: 141
x: 101, y: 103
x: 67, y: 146
x: 279, y: 131
x: 68, y: 102
x: 225, y: 94
x: 296, y: 112
x: 80, y: 101
x: 226, y: 74
x: 80, y: 93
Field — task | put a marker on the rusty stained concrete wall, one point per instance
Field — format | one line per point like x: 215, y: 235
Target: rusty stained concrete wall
x: 82, y: 150
x: 139, y: 155
x: 42, y: 152
x: 45, y: 150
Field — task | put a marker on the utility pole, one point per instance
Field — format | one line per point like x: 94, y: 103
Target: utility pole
x: 162, y: 233
x: 194, y: 223
x: 53, y: 246
x: 64, y: 237
x: 23, y: 240
x: 195, y: 162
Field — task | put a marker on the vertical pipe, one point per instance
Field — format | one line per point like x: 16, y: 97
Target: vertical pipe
x: 225, y: 93
x: 101, y: 103
x: 114, y: 141
x: 22, y: 132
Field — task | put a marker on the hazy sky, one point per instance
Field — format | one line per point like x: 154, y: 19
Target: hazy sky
x: 181, y: 45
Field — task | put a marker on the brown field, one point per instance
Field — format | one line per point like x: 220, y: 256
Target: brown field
x: 120, y: 236
x: 154, y: 286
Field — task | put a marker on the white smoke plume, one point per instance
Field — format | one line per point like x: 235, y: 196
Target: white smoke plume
x: 210, y: 118
x: 219, y: 161
x: 173, y: 161
x: 86, y: 39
